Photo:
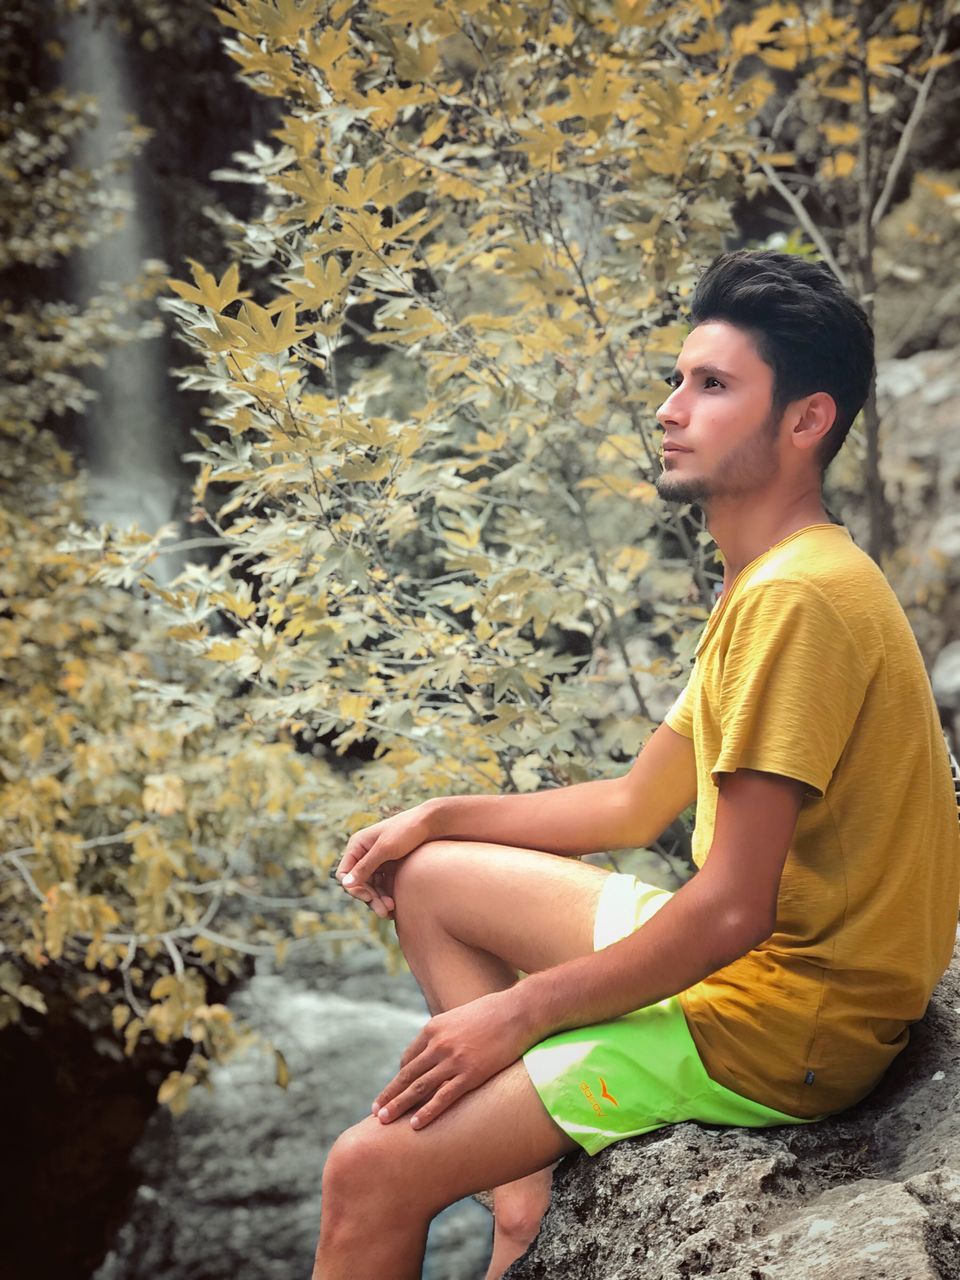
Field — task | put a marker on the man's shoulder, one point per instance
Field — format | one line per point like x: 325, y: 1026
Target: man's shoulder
x: 823, y: 556
x: 824, y: 585
x: 826, y: 571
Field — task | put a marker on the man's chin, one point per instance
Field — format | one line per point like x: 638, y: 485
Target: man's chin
x: 674, y: 489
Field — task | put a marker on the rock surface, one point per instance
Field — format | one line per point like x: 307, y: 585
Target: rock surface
x: 872, y: 1194
x: 945, y: 677
x: 920, y: 436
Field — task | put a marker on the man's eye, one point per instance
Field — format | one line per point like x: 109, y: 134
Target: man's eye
x: 672, y: 380
x: 707, y: 381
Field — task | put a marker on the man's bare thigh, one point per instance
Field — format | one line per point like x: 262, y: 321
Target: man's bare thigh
x: 532, y: 909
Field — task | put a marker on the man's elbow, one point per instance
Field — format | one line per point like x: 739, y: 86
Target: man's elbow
x: 741, y: 930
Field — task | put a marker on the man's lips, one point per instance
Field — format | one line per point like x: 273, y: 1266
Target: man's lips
x: 674, y: 448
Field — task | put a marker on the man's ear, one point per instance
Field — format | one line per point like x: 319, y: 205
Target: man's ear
x: 811, y: 419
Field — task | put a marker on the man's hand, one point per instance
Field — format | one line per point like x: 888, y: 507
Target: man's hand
x: 455, y: 1052
x: 369, y: 861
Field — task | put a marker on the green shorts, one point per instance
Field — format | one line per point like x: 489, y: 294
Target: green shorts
x: 614, y: 1080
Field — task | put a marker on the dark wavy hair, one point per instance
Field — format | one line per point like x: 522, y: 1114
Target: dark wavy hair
x: 808, y: 329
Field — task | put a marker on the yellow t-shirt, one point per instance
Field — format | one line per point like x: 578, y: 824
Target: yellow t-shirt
x: 808, y: 668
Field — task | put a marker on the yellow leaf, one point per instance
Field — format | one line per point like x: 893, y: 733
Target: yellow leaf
x: 239, y: 602
x: 74, y: 677
x: 226, y: 651
x: 631, y: 561
x: 132, y: 1034
x: 210, y: 292
x: 935, y: 63
x: 839, y: 166
x: 163, y: 794
x: 780, y: 159
x: 782, y: 59
x: 540, y: 144
x: 434, y: 129
x: 281, y: 21
x: 882, y: 54
x: 283, y: 1070
x: 907, y: 16
x: 175, y: 1091
x: 269, y: 338
x: 706, y: 42
x: 353, y: 706
x: 842, y: 135
x: 849, y: 92
x: 165, y: 987
x: 325, y: 282
x: 596, y: 98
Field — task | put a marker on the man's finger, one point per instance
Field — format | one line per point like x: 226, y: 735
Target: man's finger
x: 444, y: 1097
x: 375, y: 901
x: 351, y: 854
x: 362, y: 871
x: 409, y: 1071
x: 369, y: 897
x: 415, y: 1093
x: 357, y: 846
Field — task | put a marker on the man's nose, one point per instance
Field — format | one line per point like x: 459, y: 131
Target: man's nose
x: 672, y: 412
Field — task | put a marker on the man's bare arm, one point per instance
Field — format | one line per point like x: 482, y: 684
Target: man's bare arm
x: 726, y: 909
x: 589, y: 817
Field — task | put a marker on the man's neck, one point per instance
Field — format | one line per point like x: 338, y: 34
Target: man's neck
x: 743, y: 530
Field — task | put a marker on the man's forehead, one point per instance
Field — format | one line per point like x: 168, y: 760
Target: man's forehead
x: 721, y: 345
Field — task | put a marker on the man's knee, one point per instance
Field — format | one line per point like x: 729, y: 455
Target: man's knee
x: 519, y: 1212
x: 368, y: 1179
x: 360, y: 1177
x: 422, y: 875
x: 346, y: 1172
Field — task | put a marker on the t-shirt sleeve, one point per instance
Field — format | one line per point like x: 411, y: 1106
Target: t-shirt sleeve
x: 791, y: 687
x: 680, y: 715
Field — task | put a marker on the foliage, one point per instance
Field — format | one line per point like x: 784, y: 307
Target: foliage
x: 503, y: 205
x: 142, y: 862
x: 857, y: 82
x: 145, y: 855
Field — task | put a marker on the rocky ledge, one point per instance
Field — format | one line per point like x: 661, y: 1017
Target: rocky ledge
x: 873, y: 1193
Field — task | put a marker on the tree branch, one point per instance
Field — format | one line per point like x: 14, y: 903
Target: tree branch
x: 903, y: 147
x: 805, y: 220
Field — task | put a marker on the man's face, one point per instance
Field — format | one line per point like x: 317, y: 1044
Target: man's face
x: 720, y: 434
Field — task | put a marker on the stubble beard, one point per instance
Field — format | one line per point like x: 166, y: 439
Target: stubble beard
x: 750, y: 466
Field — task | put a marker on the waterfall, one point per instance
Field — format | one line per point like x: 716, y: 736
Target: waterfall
x: 129, y: 433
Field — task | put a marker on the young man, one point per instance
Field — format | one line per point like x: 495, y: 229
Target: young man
x: 779, y: 982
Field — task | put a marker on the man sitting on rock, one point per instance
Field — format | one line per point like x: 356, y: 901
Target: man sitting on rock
x: 780, y: 981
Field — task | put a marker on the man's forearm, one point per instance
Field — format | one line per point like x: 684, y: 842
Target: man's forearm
x: 589, y: 817
x: 690, y: 937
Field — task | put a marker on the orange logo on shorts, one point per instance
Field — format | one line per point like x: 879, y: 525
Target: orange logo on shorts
x: 604, y: 1094
x: 591, y: 1098
x: 588, y: 1094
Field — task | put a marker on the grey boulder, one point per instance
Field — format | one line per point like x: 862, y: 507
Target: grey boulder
x: 872, y: 1194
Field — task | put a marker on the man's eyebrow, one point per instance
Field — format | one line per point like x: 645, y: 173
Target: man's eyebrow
x: 705, y: 371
